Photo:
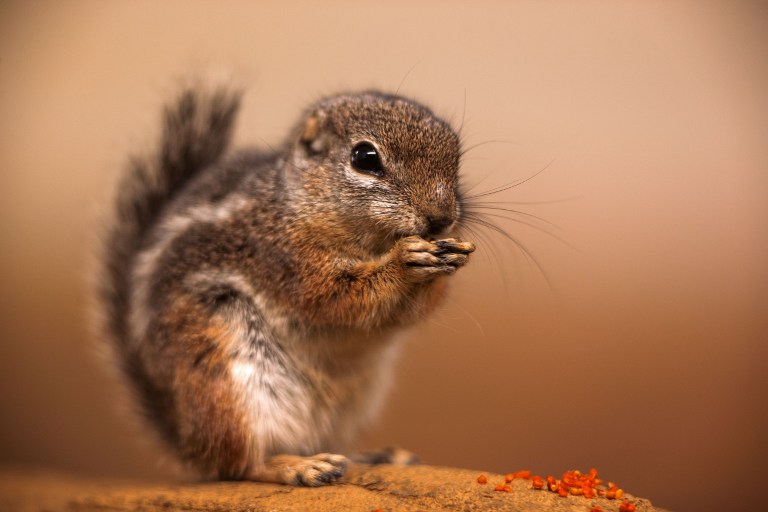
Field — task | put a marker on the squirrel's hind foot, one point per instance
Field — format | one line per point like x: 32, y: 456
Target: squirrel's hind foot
x: 314, y: 471
x: 388, y: 455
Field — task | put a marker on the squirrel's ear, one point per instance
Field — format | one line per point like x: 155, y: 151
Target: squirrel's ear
x: 311, y: 136
x: 311, y: 129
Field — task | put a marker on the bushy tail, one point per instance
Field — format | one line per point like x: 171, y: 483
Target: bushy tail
x: 197, y: 130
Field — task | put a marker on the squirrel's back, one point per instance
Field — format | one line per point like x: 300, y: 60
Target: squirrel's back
x: 196, y: 132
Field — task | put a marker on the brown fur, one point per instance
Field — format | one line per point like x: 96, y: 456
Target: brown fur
x: 253, y: 299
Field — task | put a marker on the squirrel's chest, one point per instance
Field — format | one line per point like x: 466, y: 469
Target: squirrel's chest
x: 296, y: 405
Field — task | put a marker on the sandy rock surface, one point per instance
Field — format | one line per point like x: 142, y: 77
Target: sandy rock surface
x: 365, y: 488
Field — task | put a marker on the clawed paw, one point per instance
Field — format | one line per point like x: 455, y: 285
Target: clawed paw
x: 320, y: 469
x: 429, y: 258
x: 389, y: 455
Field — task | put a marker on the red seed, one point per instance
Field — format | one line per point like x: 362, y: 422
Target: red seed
x: 596, y: 508
x: 573, y: 482
x: 482, y: 479
x: 626, y: 506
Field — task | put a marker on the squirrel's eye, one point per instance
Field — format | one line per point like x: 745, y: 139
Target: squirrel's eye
x: 366, y: 159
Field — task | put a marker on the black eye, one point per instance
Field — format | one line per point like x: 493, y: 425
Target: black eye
x: 366, y: 159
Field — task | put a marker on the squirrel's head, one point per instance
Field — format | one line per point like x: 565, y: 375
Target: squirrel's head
x: 383, y: 166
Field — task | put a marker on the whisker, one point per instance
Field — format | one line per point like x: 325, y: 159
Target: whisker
x: 491, y: 254
x: 463, y: 113
x: 466, y: 150
x: 553, y: 201
x: 494, y: 252
x: 508, y: 186
x: 529, y: 256
x: 464, y: 189
x: 456, y: 304
x: 397, y: 91
x: 474, y: 216
x: 475, y: 158
x: 476, y: 207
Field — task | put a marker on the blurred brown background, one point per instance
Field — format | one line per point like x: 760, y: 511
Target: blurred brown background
x: 646, y: 358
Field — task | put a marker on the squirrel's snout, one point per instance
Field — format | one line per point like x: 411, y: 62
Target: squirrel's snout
x: 437, y: 224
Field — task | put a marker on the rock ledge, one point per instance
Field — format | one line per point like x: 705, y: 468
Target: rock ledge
x: 365, y: 488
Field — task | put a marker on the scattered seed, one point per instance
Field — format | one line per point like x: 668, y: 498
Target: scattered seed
x: 626, y: 506
x: 574, y: 483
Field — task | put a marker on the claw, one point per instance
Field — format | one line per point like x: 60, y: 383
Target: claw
x: 428, y: 259
x: 453, y: 245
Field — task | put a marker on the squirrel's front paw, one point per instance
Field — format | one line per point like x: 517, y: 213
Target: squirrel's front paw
x: 423, y: 259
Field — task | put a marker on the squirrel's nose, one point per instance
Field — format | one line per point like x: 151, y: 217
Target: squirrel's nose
x: 436, y: 224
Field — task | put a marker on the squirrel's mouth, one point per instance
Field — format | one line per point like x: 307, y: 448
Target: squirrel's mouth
x: 429, y: 227
x: 426, y: 235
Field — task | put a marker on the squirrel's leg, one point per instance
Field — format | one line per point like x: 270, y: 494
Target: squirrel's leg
x: 235, y: 392
x: 191, y: 361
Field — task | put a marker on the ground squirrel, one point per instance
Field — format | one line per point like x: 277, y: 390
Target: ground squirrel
x: 252, y: 297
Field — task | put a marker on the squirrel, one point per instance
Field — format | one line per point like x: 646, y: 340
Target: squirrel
x: 252, y: 298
